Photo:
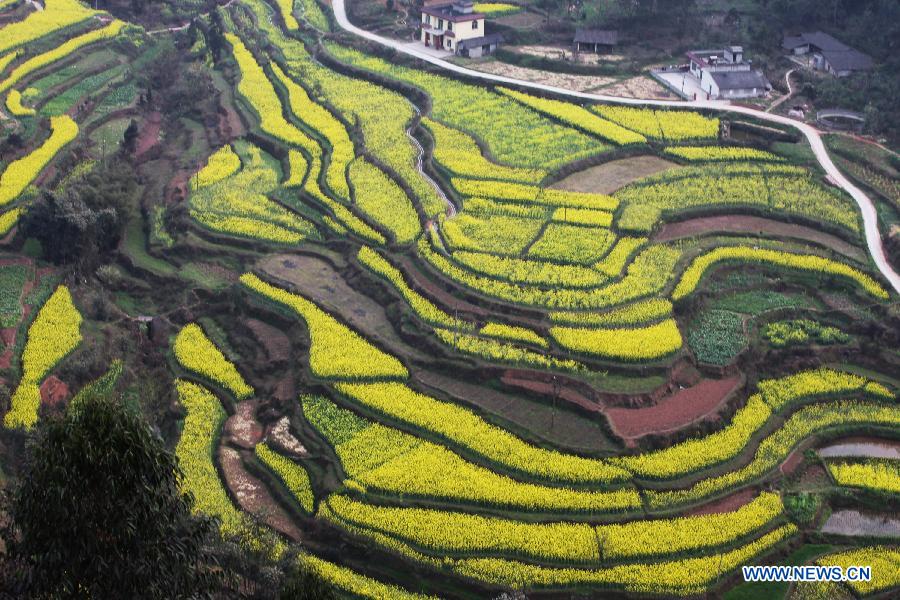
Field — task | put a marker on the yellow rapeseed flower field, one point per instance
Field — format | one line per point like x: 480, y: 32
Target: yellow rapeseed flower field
x: 197, y: 353
x: 21, y: 172
x: 55, y: 332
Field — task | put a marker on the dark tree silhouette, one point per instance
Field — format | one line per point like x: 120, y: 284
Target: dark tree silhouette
x: 98, y: 512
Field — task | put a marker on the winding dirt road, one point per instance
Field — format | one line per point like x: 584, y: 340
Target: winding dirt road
x: 870, y: 218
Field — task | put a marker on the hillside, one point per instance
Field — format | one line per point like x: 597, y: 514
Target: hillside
x: 431, y: 335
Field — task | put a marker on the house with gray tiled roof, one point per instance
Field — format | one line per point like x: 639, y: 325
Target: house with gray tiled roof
x: 827, y: 53
x: 725, y: 74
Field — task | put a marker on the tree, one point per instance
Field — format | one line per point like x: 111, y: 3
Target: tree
x: 83, y: 223
x: 98, y: 512
x: 129, y: 138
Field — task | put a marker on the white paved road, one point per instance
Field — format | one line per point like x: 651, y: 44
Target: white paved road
x: 873, y: 238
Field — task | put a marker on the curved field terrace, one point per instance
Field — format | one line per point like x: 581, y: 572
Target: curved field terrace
x: 432, y: 335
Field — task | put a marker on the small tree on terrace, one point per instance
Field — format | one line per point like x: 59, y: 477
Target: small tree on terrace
x: 99, y: 514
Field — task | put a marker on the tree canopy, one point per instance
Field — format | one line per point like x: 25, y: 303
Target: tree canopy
x: 98, y: 512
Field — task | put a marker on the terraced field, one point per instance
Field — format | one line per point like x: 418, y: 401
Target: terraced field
x: 437, y: 373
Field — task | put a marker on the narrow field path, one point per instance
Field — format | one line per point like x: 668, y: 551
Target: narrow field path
x: 870, y: 216
x: 451, y: 208
x: 791, y: 90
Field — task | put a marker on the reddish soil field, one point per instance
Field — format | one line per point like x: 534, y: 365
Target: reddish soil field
x: 273, y: 340
x: 252, y: 496
x: 177, y: 189
x: 814, y: 476
x: 149, y: 134
x: 230, y: 125
x: 792, y: 461
x: 723, y: 505
x: 435, y: 292
x: 242, y: 428
x: 546, y: 388
x: 8, y: 335
x: 16, y: 260
x: 53, y: 391
x: 673, y: 412
x: 748, y: 224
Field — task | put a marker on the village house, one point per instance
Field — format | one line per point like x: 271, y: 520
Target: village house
x: 827, y: 54
x: 457, y: 28
x: 724, y: 74
x: 595, y: 40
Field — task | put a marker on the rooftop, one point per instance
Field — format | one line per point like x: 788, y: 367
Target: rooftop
x: 840, y: 56
x: 739, y: 80
x: 608, y: 37
x: 454, y: 12
x: 491, y: 38
x: 718, y: 56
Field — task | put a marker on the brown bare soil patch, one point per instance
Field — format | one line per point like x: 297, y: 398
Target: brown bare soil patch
x: 177, y: 188
x: 547, y: 389
x: 750, y: 224
x: 8, y: 335
x: 284, y: 391
x: 6, y: 358
x: 673, y: 412
x: 723, y: 505
x: 241, y: 428
x: 522, y: 20
x: 149, y: 134
x: 252, y: 496
x: 322, y: 284
x: 230, y: 125
x: 793, y: 461
x: 814, y: 476
x: 609, y: 177
x: 273, y: 340
x: 53, y: 391
x: 555, y: 424
x: 14, y: 260
x: 419, y: 282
